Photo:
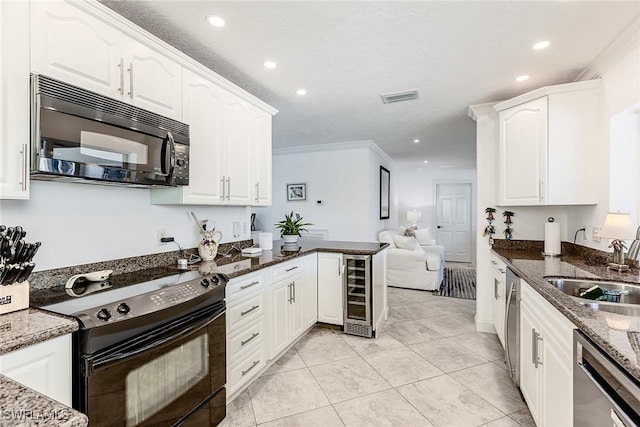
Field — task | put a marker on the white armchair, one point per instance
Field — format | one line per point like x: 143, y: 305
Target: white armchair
x: 416, y: 264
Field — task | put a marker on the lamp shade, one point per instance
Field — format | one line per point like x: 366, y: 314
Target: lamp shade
x: 413, y: 216
x: 617, y: 225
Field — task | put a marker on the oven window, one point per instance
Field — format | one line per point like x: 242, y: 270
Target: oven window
x: 155, y: 385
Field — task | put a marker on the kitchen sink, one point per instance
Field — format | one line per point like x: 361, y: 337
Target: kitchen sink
x: 627, y: 310
x: 600, y: 291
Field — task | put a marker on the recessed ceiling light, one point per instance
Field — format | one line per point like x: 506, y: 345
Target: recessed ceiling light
x: 301, y: 92
x: 415, y: 141
x: 216, y: 21
x: 522, y: 78
x: 270, y: 65
x: 426, y: 161
x: 541, y: 45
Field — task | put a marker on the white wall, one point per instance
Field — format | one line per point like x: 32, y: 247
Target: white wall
x: 620, y: 92
x: 376, y: 159
x: 344, y: 176
x: 80, y: 223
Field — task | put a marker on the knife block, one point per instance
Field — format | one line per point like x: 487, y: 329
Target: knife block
x: 14, y: 297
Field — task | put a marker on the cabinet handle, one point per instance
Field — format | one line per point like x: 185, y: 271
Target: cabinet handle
x: 257, y: 192
x: 244, y: 313
x: 25, y: 166
x: 249, y: 285
x: 223, y: 188
x: 130, y: 80
x: 121, y: 66
x: 501, y: 270
x: 494, y: 263
x: 251, y: 367
x: 292, y: 268
x: 495, y: 289
x: 255, y: 334
x: 290, y: 297
x: 535, y: 339
x: 541, y: 190
x: 228, y: 188
x: 293, y: 286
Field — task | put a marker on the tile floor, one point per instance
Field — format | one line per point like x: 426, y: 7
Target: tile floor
x: 428, y: 367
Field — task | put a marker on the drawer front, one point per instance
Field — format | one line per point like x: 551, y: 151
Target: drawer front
x: 246, y: 340
x: 244, y: 312
x: 288, y: 269
x: 243, y: 371
x: 244, y: 285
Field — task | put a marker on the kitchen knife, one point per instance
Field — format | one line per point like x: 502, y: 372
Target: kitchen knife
x: 24, y: 274
x: 17, y: 250
x: 33, y: 251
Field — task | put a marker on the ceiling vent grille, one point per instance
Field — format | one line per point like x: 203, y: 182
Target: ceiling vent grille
x: 407, y: 95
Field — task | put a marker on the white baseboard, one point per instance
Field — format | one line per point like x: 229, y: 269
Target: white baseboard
x: 484, y: 326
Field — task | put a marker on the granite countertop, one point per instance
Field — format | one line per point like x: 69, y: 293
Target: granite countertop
x: 618, y: 335
x: 238, y: 264
x: 31, y: 326
x: 22, y: 406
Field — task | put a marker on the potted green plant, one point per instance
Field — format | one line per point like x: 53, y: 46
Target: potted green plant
x: 291, y: 227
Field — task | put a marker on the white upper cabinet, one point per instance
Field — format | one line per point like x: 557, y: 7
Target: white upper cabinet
x: 72, y: 45
x: 548, y: 142
x: 238, y: 143
x: 14, y: 100
x: 155, y: 81
x: 261, y: 156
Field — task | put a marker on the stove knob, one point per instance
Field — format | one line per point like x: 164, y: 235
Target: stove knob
x: 104, y: 314
x: 214, y: 280
x: 124, y: 308
x: 205, y: 282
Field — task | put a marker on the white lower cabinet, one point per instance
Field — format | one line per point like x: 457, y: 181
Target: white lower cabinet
x: 288, y: 300
x: 44, y: 367
x: 330, y: 288
x: 546, y: 371
x: 498, y: 269
x: 247, y: 325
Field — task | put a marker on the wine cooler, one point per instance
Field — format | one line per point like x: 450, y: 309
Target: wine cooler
x: 357, y: 295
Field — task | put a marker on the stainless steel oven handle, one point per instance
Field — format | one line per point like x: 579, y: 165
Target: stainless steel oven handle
x: 100, y: 364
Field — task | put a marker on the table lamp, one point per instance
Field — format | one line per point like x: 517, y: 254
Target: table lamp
x: 413, y: 216
x: 617, y: 226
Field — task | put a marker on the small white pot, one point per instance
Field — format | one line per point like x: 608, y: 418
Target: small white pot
x: 290, y: 238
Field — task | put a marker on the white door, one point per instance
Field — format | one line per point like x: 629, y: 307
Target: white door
x: 453, y: 221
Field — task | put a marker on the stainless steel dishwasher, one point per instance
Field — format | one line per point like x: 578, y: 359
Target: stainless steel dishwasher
x: 603, y: 394
x: 512, y: 326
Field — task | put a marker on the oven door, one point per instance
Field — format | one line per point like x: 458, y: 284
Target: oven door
x: 161, y: 379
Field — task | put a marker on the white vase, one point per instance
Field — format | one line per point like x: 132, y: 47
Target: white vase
x: 208, y: 248
x: 290, y: 239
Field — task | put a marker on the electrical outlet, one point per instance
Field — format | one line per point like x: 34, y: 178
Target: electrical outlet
x: 594, y: 236
x: 236, y: 228
x: 160, y: 234
x: 245, y: 228
x: 585, y: 235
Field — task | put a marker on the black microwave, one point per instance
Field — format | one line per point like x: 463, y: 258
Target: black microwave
x: 81, y: 136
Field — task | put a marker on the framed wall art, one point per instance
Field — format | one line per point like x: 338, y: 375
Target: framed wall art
x: 296, y: 192
x: 385, y: 192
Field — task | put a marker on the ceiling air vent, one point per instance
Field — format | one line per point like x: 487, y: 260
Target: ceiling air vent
x: 407, y: 95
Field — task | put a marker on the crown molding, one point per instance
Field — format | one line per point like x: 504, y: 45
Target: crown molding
x: 477, y: 110
x: 103, y: 13
x: 546, y: 91
x: 621, y: 46
x: 337, y: 146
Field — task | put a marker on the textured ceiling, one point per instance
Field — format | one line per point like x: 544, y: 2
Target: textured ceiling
x: 348, y: 53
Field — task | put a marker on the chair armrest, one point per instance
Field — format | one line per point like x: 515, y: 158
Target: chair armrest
x: 435, y: 250
x: 427, y: 243
x: 405, y: 255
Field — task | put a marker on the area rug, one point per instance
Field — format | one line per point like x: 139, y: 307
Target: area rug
x: 458, y: 283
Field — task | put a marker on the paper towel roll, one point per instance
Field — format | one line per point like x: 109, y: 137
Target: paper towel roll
x: 552, y: 238
x: 266, y: 241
